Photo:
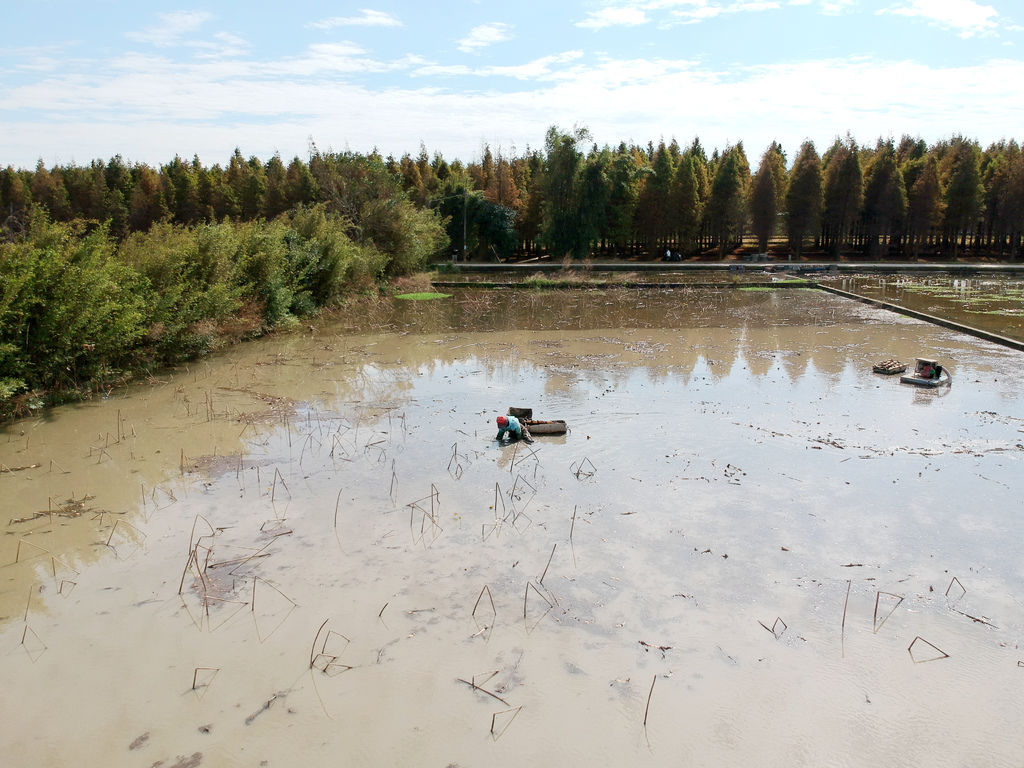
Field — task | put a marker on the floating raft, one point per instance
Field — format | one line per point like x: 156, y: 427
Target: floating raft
x: 538, y: 426
x: 556, y: 427
x: 919, y: 381
x: 889, y: 367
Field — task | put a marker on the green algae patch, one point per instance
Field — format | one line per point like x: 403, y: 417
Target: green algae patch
x: 423, y: 296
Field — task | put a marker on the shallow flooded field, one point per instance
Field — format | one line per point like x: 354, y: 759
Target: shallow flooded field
x: 993, y: 303
x: 748, y: 549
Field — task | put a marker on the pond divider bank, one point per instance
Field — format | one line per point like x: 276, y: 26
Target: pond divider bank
x: 794, y: 282
x: 795, y: 267
x: 940, y: 321
x: 555, y: 285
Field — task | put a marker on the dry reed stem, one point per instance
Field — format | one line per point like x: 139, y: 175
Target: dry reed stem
x: 273, y: 490
x: 336, y: 503
x: 476, y: 687
x: 490, y: 597
x: 842, y: 627
x: 649, y: 694
x: 17, y: 554
x: 195, y: 676
x: 874, y: 619
x: 957, y: 582
x: 572, y: 525
x: 526, y: 595
x: 312, y: 652
x: 910, y: 647
x: 499, y: 734
x: 776, y: 623
x: 123, y: 522
x: 553, y: 547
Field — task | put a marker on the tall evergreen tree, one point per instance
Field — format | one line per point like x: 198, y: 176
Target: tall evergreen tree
x: 561, y: 226
x: 963, y: 191
x: 924, y: 205
x: 727, y: 205
x: 885, y: 198
x: 767, y: 194
x: 843, y: 192
x: 804, y: 197
x: 685, y: 204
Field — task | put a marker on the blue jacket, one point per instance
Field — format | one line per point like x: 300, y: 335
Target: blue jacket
x: 513, y: 426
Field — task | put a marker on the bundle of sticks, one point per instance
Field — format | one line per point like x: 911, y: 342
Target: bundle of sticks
x: 890, y: 366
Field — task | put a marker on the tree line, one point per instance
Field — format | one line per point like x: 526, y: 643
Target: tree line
x: 893, y: 200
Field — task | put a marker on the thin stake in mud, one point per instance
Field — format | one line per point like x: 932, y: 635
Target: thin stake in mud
x: 476, y: 687
x: 17, y: 554
x: 273, y: 490
x: 842, y: 627
x: 910, y: 650
x: 875, y: 622
x: 122, y: 522
x: 196, y: 685
x: 282, y: 594
x: 963, y: 589
x: 515, y: 713
x: 584, y: 468
x: 336, y: 503
x: 476, y: 605
x: 553, y: 547
x: 775, y: 624
x: 526, y: 595
x: 24, y: 636
x: 572, y: 525
x: 649, y: 694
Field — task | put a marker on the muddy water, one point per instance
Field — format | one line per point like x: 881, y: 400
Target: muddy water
x: 308, y: 551
x: 994, y: 303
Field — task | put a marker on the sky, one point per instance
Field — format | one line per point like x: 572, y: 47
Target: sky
x: 89, y: 80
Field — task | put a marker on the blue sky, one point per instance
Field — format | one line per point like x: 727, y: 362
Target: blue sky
x: 84, y: 80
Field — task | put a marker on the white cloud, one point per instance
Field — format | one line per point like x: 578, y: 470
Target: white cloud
x: 835, y: 7
x: 543, y: 68
x: 701, y: 10
x: 614, y: 17
x: 966, y: 16
x: 151, y: 107
x: 171, y: 28
x: 366, y: 18
x: 485, y: 35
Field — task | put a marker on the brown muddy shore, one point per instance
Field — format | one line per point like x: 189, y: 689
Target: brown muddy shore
x: 748, y: 549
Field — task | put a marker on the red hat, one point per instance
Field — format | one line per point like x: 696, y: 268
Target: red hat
x: 502, y: 421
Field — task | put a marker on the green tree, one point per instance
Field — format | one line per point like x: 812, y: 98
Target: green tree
x: 275, y: 198
x: 843, y: 192
x: 924, y: 205
x: 963, y: 191
x: 48, y: 190
x: 804, y: 197
x: 654, y: 201
x: 147, y: 206
x: 563, y: 229
x: 727, y: 205
x: 885, y: 199
x: 767, y: 194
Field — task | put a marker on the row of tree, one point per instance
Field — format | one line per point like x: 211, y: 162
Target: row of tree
x: 900, y: 199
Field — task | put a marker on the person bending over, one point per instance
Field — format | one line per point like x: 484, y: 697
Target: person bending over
x: 514, y: 428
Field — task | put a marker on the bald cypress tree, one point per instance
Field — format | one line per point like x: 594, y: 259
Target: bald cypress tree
x: 963, y: 191
x: 767, y: 194
x: 885, y: 199
x: 727, y: 205
x: 843, y: 193
x: 804, y: 197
